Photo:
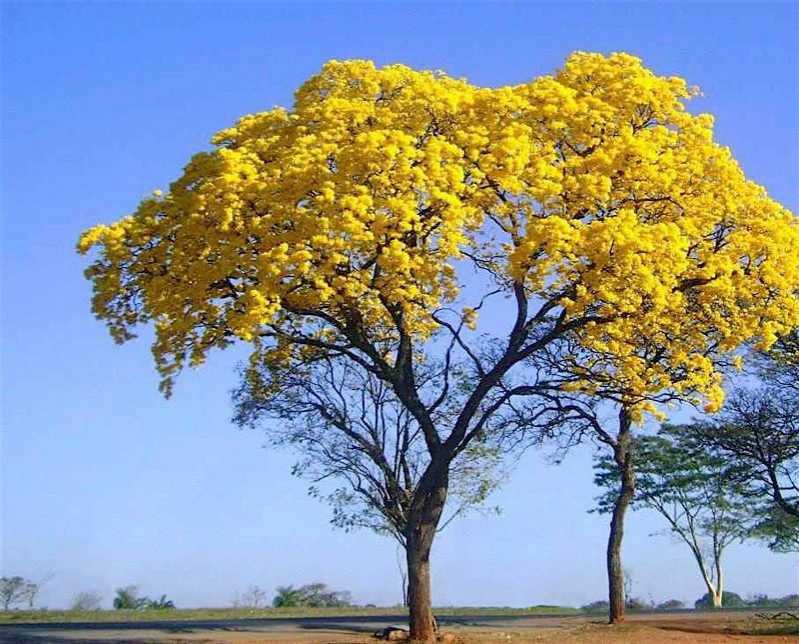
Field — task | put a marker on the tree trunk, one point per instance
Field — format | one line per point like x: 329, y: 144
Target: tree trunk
x: 623, y: 457
x: 423, y: 626
x: 419, y: 543
x: 718, y: 596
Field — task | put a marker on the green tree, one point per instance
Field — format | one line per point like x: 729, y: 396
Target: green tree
x: 15, y: 591
x: 316, y: 595
x: 728, y: 600
x: 695, y: 492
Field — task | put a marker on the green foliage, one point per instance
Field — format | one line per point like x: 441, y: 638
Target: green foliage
x: 779, y: 529
x: 728, y: 600
x: 311, y: 596
x: 671, y: 604
x: 127, y: 598
x: 694, y: 489
x: 758, y: 432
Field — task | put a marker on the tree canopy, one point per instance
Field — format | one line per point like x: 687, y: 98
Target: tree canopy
x: 339, y: 225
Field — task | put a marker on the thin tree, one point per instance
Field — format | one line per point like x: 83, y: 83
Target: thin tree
x: 693, y: 490
x: 86, y: 600
x: 588, y: 204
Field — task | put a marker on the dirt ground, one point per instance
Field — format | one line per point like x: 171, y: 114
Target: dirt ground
x: 681, y: 628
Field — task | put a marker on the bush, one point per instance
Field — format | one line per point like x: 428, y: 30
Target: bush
x: 728, y: 600
x: 671, y: 604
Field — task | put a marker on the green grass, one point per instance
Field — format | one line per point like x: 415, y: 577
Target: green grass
x: 199, y: 614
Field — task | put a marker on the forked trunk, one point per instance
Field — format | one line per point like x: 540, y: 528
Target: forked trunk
x: 623, y: 458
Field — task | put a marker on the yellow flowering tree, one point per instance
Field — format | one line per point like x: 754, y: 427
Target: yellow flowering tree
x: 342, y: 229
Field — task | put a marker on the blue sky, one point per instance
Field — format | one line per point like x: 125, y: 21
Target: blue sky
x: 105, y: 483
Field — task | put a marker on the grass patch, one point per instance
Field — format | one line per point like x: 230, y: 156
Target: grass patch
x: 212, y: 614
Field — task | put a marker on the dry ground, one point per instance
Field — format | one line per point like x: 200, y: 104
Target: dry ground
x: 684, y: 628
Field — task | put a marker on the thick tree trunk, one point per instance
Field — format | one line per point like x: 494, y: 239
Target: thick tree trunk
x: 623, y: 457
x: 423, y: 626
x: 419, y: 544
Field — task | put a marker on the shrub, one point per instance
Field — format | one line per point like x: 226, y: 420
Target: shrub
x: 728, y: 600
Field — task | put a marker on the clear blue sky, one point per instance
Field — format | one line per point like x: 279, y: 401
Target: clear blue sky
x: 104, y: 482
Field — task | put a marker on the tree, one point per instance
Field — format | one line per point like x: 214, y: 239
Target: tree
x: 287, y: 597
x: 350, y: 427
x: 693, y: 490
x: 253, y: 597
x: 671, y: 604
x: 86, y: 600
x: 162, y: 603
x: 315, y: 595
x: 15, y: 591
x: 728, y: 600
x: 589, y: 204
x: 128, y: 598
x: 760, y: 430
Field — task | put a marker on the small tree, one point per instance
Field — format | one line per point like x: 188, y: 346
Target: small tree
x: 671, y: 604
x: 253, y: 597
x: 15, y: 591
x: 128, y: 598
x: 315, y: 595
x: 287, y: 597
x: 86, y: 600
x: 693, y: 490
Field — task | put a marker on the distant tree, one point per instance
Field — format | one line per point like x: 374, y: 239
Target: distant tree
x: 315, y: 595
x: 162, y: 603
x: 599, y: 606
x: 253, y: 597
x: 15, y: 591
x: 86, y: 600
x: 693, y: 490
x: 671, y: 604
x: 728, y: 600
x: 287, y: 597
x: 128, y: 598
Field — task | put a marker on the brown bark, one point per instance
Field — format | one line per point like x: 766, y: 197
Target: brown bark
x: 419, y: 543
x: 623, y: 457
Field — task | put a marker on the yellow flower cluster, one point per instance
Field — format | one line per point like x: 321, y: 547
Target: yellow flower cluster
x: 593, y: 186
